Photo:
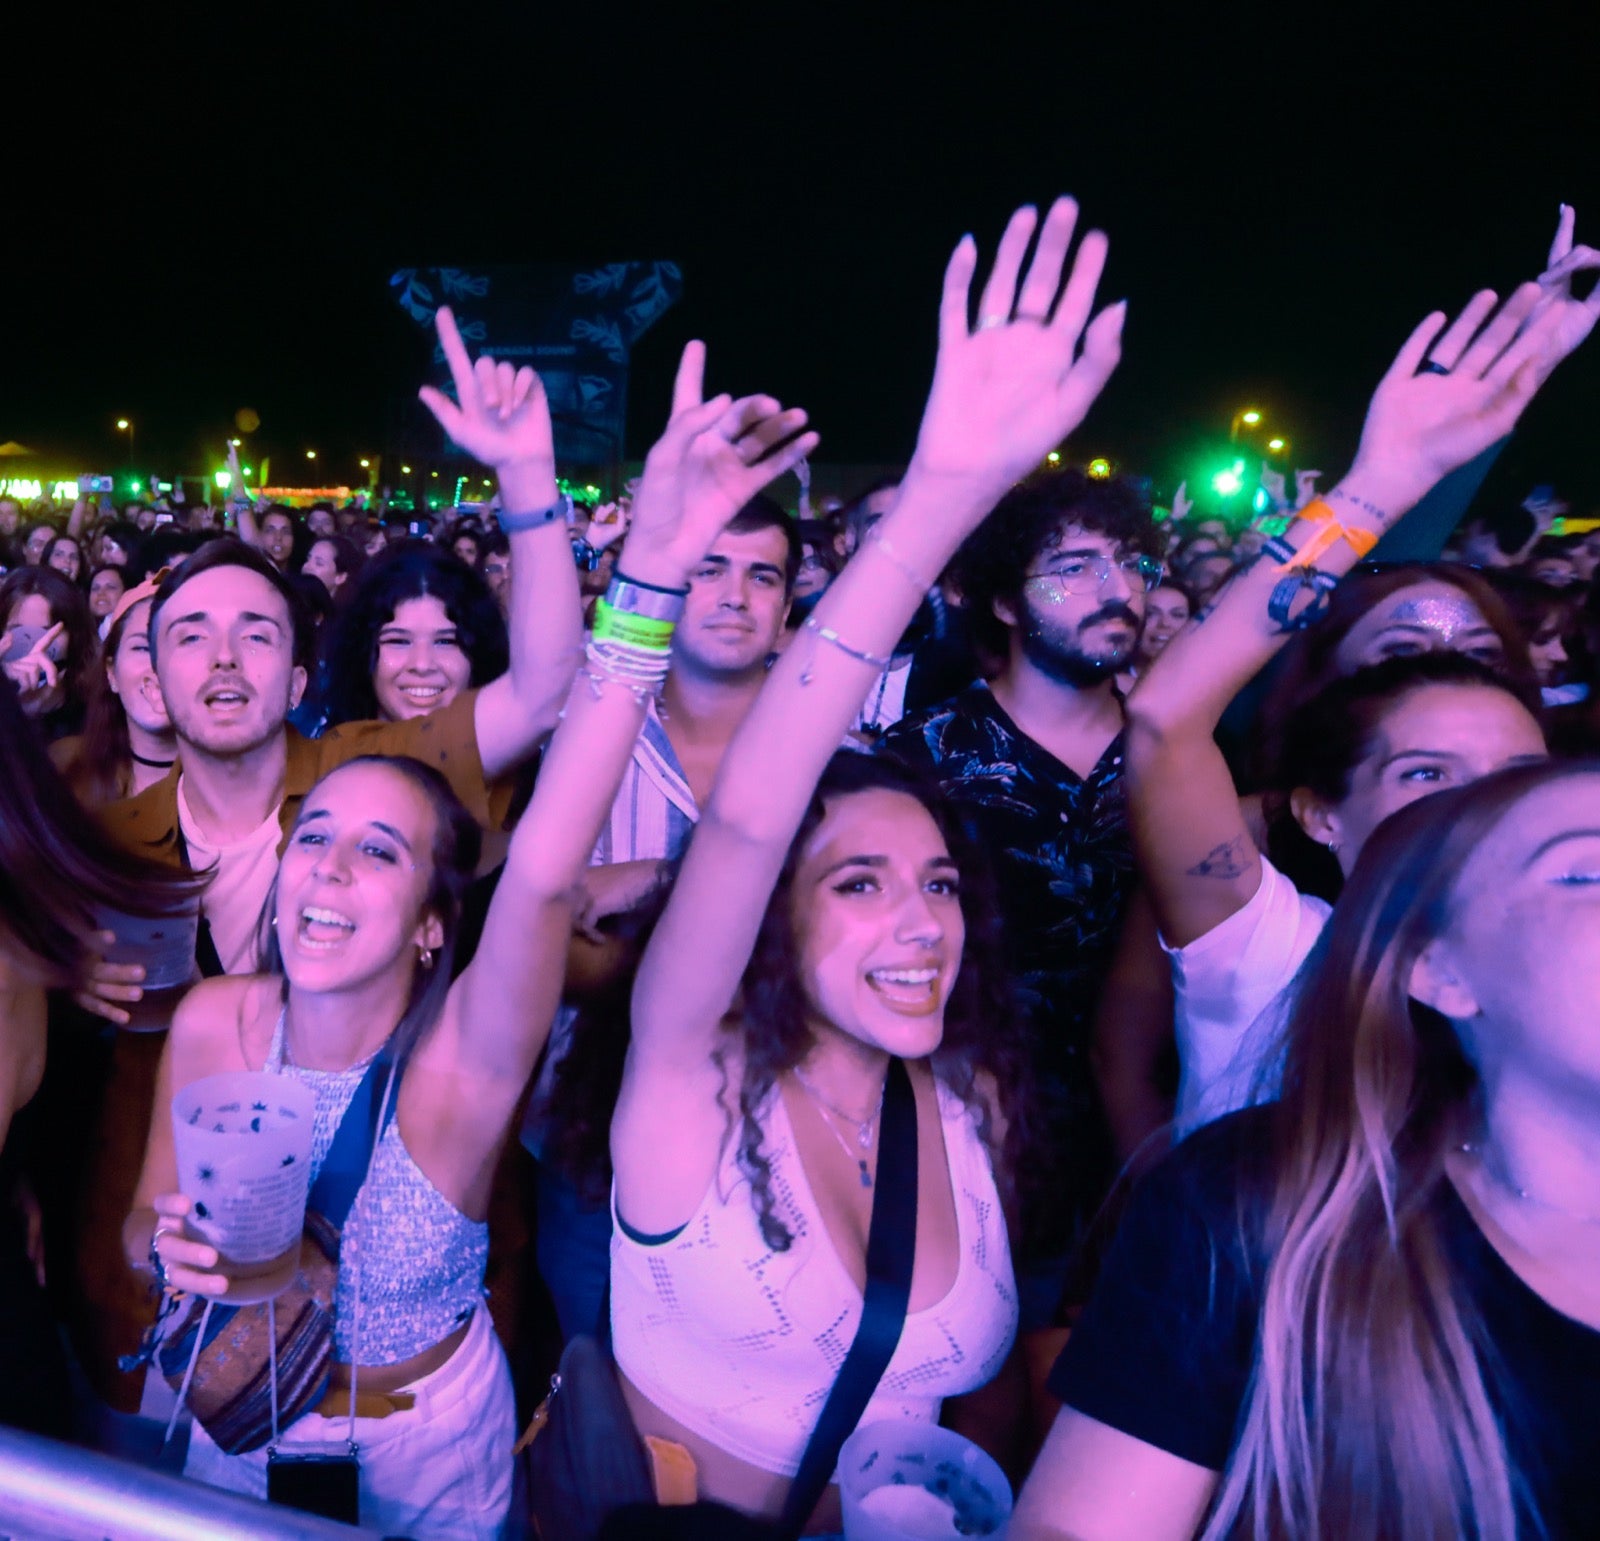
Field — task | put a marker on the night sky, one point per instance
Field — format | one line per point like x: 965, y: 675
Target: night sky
x: 205, y: 220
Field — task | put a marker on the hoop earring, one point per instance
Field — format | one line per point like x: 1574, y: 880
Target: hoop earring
x: 425, y: 957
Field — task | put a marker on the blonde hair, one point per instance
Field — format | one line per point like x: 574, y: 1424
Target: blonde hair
x: 1368, y: 1413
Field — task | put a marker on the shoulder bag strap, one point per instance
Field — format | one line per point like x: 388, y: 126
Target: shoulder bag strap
x: 344, y: 1169
x: 891, y: 1249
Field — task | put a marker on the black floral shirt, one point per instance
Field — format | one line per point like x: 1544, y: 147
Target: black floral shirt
x: 1063, y: 863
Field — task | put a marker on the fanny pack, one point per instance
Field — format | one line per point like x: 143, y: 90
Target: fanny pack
x: 247, y: 1370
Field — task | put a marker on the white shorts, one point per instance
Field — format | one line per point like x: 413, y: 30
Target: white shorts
x: 440, y: 1470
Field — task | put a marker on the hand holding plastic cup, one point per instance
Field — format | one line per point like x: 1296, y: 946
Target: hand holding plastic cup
x: 901, y: 1481
x: 243, y: 1145
x: 163, y: 945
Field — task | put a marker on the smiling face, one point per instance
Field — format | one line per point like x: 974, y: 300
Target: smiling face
x: 105, y: 589
x: 877, y: 917
x: 225, y: 660
x: 1427, y: 617
x: 354, y: 880
x: 418, y: 665
x: 1079, y: 638
x: 1523, y: 943
x: 66, y: 558
x: 131, y: 677
x: 736, y: 606
x: 1434, y: 737
x: 1166, y: 613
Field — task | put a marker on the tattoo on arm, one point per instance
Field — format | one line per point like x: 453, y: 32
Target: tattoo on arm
x: 1361, y: 503
x: 1228, y: 860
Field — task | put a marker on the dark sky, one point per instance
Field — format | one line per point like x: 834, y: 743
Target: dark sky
x: 209, y: 223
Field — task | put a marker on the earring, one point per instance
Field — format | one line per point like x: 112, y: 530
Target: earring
x: 1333, y: 848
x: 425, y: 957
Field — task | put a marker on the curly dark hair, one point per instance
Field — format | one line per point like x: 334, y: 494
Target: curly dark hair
x: 405, y: 571
x: 984, y: 1034
x: 996, y: 557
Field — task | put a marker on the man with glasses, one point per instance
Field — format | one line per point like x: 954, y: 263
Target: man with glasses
x: 1054, y: 583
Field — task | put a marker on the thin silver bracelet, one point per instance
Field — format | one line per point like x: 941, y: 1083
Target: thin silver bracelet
x: 829, y: 635
x: 914, y: 578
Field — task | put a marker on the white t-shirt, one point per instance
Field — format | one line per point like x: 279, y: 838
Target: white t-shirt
x: 243, y: 871
x: 1227, y: 984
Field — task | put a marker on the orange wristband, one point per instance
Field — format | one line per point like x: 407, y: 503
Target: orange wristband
x: 1330, y: 534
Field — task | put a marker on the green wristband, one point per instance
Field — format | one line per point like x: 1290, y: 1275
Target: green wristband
x: 642, y: 631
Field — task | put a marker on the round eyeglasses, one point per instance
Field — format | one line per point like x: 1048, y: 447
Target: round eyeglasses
x: 1085, y: 574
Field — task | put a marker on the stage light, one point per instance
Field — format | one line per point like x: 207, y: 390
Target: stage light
x: 366, y: 465
x: 1229, y: 483
x: 433, y: 473
x: 1261, y: 502
x: 1099, y: 469
x: 224, y: 479
x: 405, y: 470
x: 1054, y: 457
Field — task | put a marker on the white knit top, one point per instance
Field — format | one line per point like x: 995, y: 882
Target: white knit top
x: 741, y: 1344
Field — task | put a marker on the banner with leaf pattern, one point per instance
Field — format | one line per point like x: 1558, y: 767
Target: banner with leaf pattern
x: 576, y: 326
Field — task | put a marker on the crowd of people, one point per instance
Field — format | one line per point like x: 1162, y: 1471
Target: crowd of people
x: 1181, y: 936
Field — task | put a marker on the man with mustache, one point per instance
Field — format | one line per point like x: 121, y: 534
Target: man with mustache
x: 1054, y: 583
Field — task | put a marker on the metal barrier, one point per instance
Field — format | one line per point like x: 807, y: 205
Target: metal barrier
x: 56, y: 1492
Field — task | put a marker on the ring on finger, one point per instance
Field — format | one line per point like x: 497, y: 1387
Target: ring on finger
x: 1433, y: 367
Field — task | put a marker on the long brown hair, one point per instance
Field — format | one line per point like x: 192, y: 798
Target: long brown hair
x: 58, y: 869
x: 100, y: 769
x: 1368, y: 1412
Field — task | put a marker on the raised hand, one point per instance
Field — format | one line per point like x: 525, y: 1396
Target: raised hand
x: 1452, y: 391
x: 36, y: 673
x: 1305, y: 487
x: 1566, y: 261
x: 1007, y: 390
x: 607, y: 525
x: 1275, y: 485
x: 713, y: 458
x: 500, y: 415
x: 1181, y: 503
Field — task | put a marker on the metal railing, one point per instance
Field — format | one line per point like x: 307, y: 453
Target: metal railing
x: 56, y: 1492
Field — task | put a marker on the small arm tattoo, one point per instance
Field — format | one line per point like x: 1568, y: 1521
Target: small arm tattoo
x: 1361, y: 503
x: 1228, y: 860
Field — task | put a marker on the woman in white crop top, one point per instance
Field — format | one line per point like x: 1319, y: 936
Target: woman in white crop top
x: 363, y: 914
x: 827, y: 917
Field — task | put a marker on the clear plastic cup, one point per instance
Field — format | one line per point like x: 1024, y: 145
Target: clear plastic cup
x: 947, y: 1487
x: 243, y: 1143
x: 163, y: 944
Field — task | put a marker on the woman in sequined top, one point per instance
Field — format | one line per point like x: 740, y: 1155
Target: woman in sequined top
x: 364, y: 913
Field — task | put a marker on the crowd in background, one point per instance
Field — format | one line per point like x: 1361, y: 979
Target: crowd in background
x: 1215, y: 900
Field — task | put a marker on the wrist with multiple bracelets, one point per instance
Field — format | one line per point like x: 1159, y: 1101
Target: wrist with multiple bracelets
x: 631, y: 643
x: 1300, y: 597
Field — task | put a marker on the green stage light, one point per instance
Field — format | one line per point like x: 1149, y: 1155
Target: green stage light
x: 1099, y: 469
x: 1229, y: 483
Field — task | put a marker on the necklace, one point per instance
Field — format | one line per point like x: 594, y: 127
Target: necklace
x: 1494, y: 1169
x: 153, y: 764
x: 863, y: 1129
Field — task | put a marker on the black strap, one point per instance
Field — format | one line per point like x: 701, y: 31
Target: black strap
x: 891, y: 1250
x: 205, y: 945
x: 344, y: 1168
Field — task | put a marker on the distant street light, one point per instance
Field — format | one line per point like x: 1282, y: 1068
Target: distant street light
x: 311, y: 454
x: 1251, y: 418
x: 1276, y: 446
x: 125, y: 425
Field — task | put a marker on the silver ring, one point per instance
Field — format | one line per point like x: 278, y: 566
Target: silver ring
x: 985, y: 322
x: 1433, y: 367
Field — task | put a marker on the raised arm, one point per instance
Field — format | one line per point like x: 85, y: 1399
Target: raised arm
x: 1451, y: 392
x: 502, y: 418
x: 714, y: 457
x: 1004, y: 393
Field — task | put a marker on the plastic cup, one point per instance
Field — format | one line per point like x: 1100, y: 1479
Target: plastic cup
x: 243, y: 1143
x: 947, y: 1486
x: 163, y: 944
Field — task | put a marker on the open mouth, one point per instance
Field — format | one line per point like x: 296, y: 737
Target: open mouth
x: 227, y: 699
x: 422, y: 695
x: 322, y: 929
x: 913, y: 991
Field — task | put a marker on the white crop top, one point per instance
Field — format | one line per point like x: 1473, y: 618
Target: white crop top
x: 741, y: 1344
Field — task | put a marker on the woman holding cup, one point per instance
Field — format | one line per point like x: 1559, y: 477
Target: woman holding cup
x: 362, y: 921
